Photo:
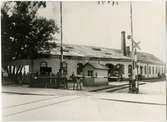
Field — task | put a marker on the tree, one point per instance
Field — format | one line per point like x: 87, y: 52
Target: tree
x: 24, y: 34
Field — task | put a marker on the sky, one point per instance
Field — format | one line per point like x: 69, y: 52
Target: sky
x: 90, y: 23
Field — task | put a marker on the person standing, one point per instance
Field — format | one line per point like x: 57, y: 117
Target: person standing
x: 74, y: 80
x: 58, y: 79
x: 65, y: 81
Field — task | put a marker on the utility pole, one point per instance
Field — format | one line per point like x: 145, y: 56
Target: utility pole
x: 61, y: 45
x: 134, y: 85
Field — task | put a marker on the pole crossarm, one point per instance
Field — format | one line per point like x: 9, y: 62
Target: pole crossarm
x: 136, y: 44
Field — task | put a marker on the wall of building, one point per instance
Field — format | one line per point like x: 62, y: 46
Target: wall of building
x: 99, y: 76
x: 72, y: 66
x: 152, y: 70
x: 101, y: 73
x: 88, y: 80
x: 85, y: 70
x: 55, y: 64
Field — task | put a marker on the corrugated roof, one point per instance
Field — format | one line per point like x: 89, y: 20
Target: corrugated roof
x: 100, y: 52
x: 96, y: 65
x: 89, y: 51
x: 148, y: 58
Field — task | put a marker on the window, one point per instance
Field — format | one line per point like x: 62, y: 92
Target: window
x: 43, y: 67
x: 108, y: 53
x: 149, y: 69
x: 141, y: 70
x: 96, y: 74
x: 129, y: 69
x: 65, y: 50
x: 137, y: 69
x: 90, y: 73
x: 96, y: 49
x: 69, y: 47
x: 145, y: 69
x: 79, y: 68
x: 43, y: 64
x: 153, y: 69
x: 122, y: 68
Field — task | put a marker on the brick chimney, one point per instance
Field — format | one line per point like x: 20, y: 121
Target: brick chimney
x: 123, y: 43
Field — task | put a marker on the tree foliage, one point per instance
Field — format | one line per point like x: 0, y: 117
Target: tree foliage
x: 23, y: 33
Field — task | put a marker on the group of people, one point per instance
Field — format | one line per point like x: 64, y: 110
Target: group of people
x: 77, y: 81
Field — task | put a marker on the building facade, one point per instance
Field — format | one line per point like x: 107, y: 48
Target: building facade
x: 95, y: 74
x: 76, y: 56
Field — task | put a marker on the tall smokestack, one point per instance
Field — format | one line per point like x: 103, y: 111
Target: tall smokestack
x: 123, y: 43
x: 128, y: 51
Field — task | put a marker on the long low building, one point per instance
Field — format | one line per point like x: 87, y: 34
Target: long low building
x: 76, y: 56
x: 115, y: 62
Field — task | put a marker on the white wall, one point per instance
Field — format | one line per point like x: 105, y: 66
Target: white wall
x: 101, y: 73
x: 157, y: 69
x: 72, y: 66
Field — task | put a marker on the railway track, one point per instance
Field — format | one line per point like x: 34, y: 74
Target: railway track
x: 113, y: 88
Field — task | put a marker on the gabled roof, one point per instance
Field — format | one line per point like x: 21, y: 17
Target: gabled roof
x: 88, y: 51
x: 96, y: 66
x: 100, y: 52
x: 148, y: 58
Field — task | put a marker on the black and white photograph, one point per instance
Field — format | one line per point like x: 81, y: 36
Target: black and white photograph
x: 83, y: 60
